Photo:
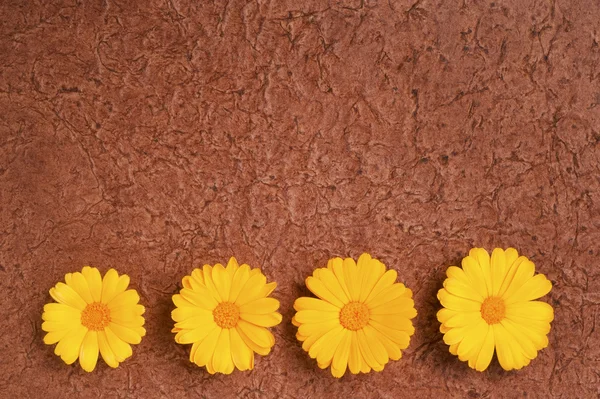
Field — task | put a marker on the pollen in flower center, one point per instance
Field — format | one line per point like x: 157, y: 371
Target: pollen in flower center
x: 354, y: 316
x: 226, y: 315
x: 493, y: 310
x: 95, y: 316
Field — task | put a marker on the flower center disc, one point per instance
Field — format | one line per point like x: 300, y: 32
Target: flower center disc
x: 95, y: 316
x: 493, y: 310
x: 354, y: 316
x: 226, y: 315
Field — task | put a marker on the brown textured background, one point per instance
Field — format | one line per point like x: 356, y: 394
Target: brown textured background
x: 156, y: 136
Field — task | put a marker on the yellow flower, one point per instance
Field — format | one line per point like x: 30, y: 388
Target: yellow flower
x: 489, y: 304
x: 93, y: 315
x: 362, y: 319
x: 224, y: 312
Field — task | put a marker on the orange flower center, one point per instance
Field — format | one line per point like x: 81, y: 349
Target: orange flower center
x: 95, y: 316
x: 226, y: 315
x: 493, y: 310
x: 354, y: 316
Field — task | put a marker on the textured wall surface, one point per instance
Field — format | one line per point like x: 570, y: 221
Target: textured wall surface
x: 154, y: 136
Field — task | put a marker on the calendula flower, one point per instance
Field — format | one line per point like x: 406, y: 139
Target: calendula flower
x: 361, y: 320
x: 489, y: 304
x: 224, y: 313
x: 93, y: 314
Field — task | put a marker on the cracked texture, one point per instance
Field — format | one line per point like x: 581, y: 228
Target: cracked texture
x: 156, y: 136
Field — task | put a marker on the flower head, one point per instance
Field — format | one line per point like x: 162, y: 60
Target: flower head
x: 223, y: 312
x: 361, y: 320
x: 93, y: 315
x: 489, y: 304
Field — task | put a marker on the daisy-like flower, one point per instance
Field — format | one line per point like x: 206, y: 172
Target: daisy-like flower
x: 93, y: 314
x: 489, y: 304
x: 224, y: 313
x: 361, y: 320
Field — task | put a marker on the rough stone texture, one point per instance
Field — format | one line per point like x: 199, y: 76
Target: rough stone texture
x: 154, y: 136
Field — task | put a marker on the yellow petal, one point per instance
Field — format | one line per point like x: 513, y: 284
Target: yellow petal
x: 54, y: 336
x: 308, y: 303
x: 206, y: 349
x: 251, y: 290
x: 525, y: 343
x: 354, y: 357
x: 521, y: 271
x: 470, y: 345
x: 122, y: 350
x: 128, y: 298
x: 487, y: 351
x: 80, y: 285
x: 377, y: 348
x: 109, y: 285
x: 201, y: 297
x: 241, y: 354
x: 105, y: 350
x: 240, y: 278
x: 332, y: 283
x: 209, y: 283
x: 462, y: 319
x: 401, y: 338
x: 315, y: 316
x: 336, y: 265
x: 267, y: 289
x: 398, y: 305
x: 342, y: 353
x: 259, y: 335
x: 49, y: 326
x: 262, y: 320
x: 126, y: 334
x: 444, y: 314
x: 66, y: 295
x: 222, y: 282
x: 456, y: 288
x: 201, y: 318
x: 395, y: 323
x: 88, y: 354
x: 261, y: 350
x: 317, y: 329
x: 127, y: 316
x: 324, y: 340
x: 351, y: 279
x: 71, y: 344
x: 535, y: 310
x: 198, y: 334
x: 386, y: 295
x: 503, y: 350
x: 317, y: 287
x: 483, y: 259
x: 456, y: 273
x: 534, y: 288
x: 474, y: 272
x: 66, y: 314
x: 365, y: 350
x: 455, y: 303
x: 184, y: 313
x: 260, y: 306
x: 391, y: 347
x: 329, y: 346
x: 222, y: 361
x: 455, y: 335
x: 94, y: 281
x: 498, y: 269
x: 369, y: 272
x: 388, y: 278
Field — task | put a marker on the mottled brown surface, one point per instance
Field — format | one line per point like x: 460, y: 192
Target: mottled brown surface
x: 159, y: 135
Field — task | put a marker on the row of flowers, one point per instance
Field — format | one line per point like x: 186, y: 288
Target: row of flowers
x: 360, y: 319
